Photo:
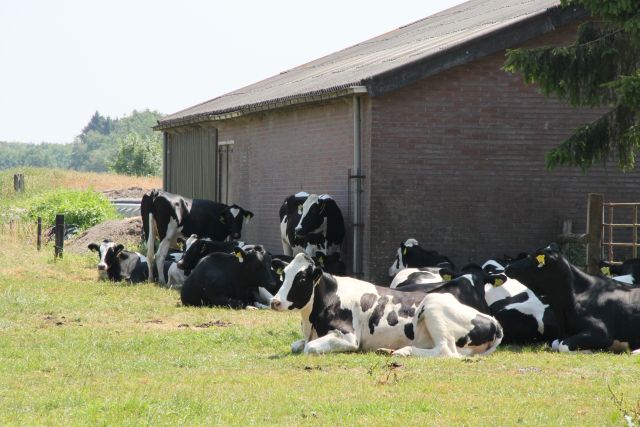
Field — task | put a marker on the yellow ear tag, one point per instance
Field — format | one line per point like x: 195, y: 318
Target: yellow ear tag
x: 447, y: 277
x: 239, y: 256
x: 279, y: 272
x: 498, y: 282
x: 404, y: 252
x: 247, y: 217
x: 300, y: 209
x: 321, y: 261
x: 540, y: 259
x: 606, y: 271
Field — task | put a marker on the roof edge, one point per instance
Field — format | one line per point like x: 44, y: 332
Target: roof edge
x: 503, y: 38
x: 305, y: 98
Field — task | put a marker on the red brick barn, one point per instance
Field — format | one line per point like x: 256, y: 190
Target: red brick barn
x: 448, y: 147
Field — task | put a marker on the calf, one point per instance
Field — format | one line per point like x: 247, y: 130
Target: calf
x: 411, y: 254
x: 321, y: 225
x: 342, y: 314
x: 593, y: 313
x: 199, y: 248
x: 116, y: 264
x: 229, y: 280
x: 172, y: 216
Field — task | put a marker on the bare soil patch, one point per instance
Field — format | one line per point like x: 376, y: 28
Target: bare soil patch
x: 127, y: 231
x: 126, y: 193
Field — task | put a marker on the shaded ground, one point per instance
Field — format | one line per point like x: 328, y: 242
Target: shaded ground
x: 127, y: 231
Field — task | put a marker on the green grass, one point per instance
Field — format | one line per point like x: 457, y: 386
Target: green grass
x: 75, y: 351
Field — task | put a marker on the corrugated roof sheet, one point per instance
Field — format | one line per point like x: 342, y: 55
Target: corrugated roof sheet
x: 355, y: 65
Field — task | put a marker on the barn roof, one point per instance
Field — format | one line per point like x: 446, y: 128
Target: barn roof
x: 452, y: 37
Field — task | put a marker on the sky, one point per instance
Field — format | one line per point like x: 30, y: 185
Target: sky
x: 62, y: 60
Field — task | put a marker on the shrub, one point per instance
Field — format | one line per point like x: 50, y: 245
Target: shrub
x: 82, y: 208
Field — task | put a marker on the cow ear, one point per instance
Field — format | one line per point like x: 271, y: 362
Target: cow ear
x: 94, y: 247
x: 118, y: 248
x: 278, y: 266
x: 497, y: 279
x: 320, y: 257
x: 248, y: 215
x: 122, y: 255
x: 222, y: 219
x: 446, y: 274
x: 240, y: 254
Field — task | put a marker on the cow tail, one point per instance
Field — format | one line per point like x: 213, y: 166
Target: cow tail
x: 496, y: 340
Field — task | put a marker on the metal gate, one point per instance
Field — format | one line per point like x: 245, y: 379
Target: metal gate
x: 618, y: 219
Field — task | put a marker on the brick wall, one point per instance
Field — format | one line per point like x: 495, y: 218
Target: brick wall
x: 282, y: 152
x: 457, y: 161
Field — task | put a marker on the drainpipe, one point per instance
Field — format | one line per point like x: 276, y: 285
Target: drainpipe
x: 358, y: 176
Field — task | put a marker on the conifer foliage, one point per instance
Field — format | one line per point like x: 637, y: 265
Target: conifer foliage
x: 600, y: 69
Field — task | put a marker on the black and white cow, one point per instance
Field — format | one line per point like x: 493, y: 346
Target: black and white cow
x: 411, y: 254
x: 593, y: 313
x: 321, y: 225
x: 466, y: 286
x: 341, y: 314
x: 230, y: 280
x: 628, y: 272
x: 117, y: 265
x: 423, y: 274
x: 290, y: 214
x: 524, y: 318
x: 172, y: 216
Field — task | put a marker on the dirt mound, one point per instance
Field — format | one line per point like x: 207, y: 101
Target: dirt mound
x: 127, y: 231
x: 125, y: 193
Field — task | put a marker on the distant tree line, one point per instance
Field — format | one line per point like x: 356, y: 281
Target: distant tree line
x: 125, y: 145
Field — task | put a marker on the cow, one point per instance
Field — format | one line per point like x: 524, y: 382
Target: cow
x: 524, y: 318
x: 290, y: 213
x: 199, y: 248
x: 628, y: 272
x: 342, y: 314
x: 411, y: 254
x: 424, y: 274
x: 172, y: 216
x: 230, y: 280
x: 593, y: 312
x: 117, y: 265
x: 321, y: 225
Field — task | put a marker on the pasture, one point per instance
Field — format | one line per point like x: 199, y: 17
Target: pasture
x: 75, y: 351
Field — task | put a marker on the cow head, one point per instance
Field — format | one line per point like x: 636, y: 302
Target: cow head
x: 108, y: 252
x: 234, y: 217
x: 256, y: 265
x: 195, y: 249
x: 400, y: 262
x: 300, y: 277
x: 540, y: 271
x: 314, y: 214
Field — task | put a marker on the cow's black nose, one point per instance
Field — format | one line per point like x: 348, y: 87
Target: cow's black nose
x: 102, y: 267
x: 180, y: 265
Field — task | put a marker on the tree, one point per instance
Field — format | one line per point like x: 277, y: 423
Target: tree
x: 600, y: 69
x: 138, y: 155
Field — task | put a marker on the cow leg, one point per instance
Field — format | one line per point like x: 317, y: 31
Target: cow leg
x: 583, y: 342
x: 334, y: 342
x: 150, y: 247
x: 298, y: 346
x: 163, y: 249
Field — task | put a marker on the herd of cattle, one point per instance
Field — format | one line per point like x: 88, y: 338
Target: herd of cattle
x: 431, y: 308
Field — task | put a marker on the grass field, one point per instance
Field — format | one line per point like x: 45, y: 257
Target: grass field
x: 75, y: 351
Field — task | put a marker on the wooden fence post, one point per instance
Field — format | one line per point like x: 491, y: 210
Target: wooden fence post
x: 18, y: 182
x: 594, y: 231
x: 39, y: 237
x: 59, y: 236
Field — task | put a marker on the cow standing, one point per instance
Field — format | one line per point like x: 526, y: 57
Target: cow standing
x: 290, y: 213
x: 172, y: 216
x: 321, y: 225
x: 341, y: 314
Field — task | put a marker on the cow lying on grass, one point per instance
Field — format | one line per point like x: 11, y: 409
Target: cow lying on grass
x: 341, y: 314
x: 593, y: 313
x: 116, y: 264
